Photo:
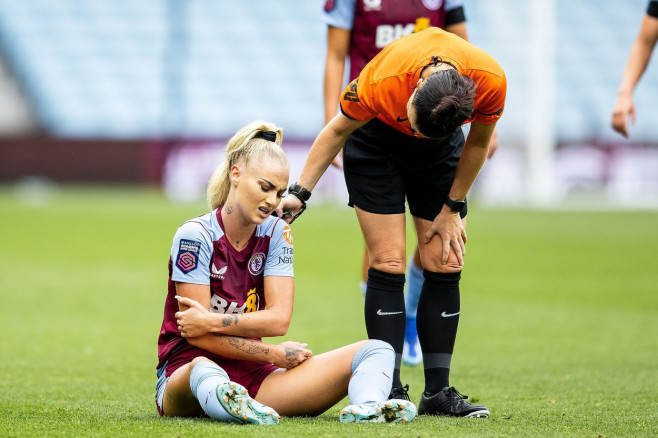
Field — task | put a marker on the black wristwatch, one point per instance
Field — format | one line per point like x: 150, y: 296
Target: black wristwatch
x: 300, y: 192
x: 456, y: 206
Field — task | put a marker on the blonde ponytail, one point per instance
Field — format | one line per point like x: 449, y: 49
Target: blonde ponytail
x: 244, y: 145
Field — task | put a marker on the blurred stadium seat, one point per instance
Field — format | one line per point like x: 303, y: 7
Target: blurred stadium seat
x: 145, y: 68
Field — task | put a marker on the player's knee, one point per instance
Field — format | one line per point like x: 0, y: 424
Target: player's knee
x: 391, y: 260
x: 390, y: 264
x: 380, y: 346
x: 434, y: 264
x: 449, y: 268
x: 197, y: 360
x: 374, y: 348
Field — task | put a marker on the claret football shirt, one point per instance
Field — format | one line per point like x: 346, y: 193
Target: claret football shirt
x: 201, y: 254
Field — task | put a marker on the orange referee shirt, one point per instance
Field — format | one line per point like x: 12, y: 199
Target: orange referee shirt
x: 388, y: 80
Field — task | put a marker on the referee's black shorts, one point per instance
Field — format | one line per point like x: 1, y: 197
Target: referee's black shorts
x: 383, y: 167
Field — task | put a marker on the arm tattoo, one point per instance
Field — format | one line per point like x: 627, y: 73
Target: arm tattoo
x: 247, y: 345
x: 227, y: 320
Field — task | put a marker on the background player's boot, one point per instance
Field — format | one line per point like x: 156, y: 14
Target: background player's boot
x: 399, y: 393
x: 450, y: 402
x: 236, y: 401
x: 390, y: 411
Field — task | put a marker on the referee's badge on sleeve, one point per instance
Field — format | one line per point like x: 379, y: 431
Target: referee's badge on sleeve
x: 188, y: 255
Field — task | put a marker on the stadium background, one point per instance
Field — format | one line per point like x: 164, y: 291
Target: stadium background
x: 147, y: 91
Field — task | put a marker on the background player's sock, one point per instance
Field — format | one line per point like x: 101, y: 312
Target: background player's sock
x: 414, y: 285
x: 385, y: 314
x: 437, y: 320
x: 412, y: 355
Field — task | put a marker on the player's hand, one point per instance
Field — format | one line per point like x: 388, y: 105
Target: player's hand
x: 623, y: 110
x: 292, y: 354
x: 450, y: 229
x: 289, y: 208
x: 194, y: 321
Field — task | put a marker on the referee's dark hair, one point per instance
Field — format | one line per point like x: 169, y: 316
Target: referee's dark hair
x: 443, y: 103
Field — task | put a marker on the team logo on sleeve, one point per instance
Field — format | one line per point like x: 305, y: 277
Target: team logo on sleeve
x: 351, y: 94
x: 257, y: 263
x: 287, y: 234
x: 188, y: 255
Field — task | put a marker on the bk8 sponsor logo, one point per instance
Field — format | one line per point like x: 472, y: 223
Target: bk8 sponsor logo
x: 221, y: 305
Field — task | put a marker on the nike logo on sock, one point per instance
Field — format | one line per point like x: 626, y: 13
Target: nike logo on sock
x: 380, y: 313
x: 448, y: 315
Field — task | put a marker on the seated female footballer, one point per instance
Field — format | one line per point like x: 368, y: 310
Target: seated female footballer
x: 231, y: 283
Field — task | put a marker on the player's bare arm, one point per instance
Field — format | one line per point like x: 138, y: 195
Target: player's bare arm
x: 195, y: 319
x: 338, y: 43
x: 288, y: 354
x: 638, y: 59
x: 325, y: 147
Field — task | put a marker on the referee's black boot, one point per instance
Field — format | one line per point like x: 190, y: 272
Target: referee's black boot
x: 400, y: 393
x: 450, y: 402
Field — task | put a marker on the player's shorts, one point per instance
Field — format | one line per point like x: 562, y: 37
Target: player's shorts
x: 247, y: 373
x: 383, y: 167
x: 160, y: 387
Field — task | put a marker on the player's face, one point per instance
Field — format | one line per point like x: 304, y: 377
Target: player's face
x: 260, y: 187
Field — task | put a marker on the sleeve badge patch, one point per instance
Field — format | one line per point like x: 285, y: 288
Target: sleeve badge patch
x: 256, y: 264
x: 188, y: 255
x: 352, y: 94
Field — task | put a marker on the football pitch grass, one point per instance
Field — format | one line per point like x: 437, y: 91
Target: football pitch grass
x: 558, y: 331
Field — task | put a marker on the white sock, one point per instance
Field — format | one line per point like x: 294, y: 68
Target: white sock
x: 204, y: 379
x: 372, y: 372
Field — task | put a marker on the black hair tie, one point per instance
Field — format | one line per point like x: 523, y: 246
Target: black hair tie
x: 266, y: 135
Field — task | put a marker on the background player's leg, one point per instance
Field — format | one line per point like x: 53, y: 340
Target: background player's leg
x: 365, y: 265
x: 411, y: 354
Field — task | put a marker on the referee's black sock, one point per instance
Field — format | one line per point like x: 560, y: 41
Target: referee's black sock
x: 385, y: 313
x: 437, y: 321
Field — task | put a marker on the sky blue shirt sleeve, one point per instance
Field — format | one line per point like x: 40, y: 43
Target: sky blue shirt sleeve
x: 190, y: 254
x: 279, y: 257
x: 452, y: 4
x: 341, y: 16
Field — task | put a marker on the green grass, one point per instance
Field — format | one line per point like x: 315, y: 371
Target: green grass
x: 557, y: 334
